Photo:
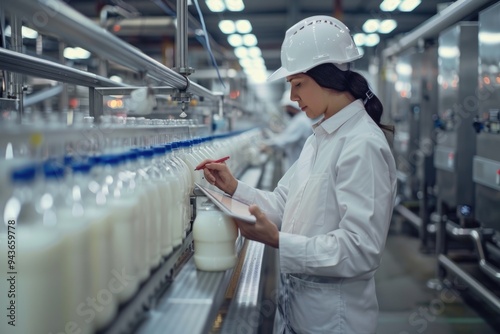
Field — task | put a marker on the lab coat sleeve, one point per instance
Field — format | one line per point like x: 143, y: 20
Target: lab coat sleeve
x: 271, y: 203
x: 364, y: 188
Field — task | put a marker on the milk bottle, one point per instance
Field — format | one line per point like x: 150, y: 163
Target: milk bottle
x: 175, y: 160
x: 169, y: 187
x: 153, y: 203
x: 102, y: 248
x: 34, y: 275
x: 141, y: 229
x: 68, y: 218
x: 123, y: 209
x: 214, y: 236
x: 176, y: 208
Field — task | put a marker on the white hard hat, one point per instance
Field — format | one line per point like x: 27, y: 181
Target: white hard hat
x: 285, y: 100
x: 313, y: 41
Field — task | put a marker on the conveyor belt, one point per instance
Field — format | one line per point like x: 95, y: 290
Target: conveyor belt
x: 190, y: 304
x: 206, y: 302
x: 244, y: 309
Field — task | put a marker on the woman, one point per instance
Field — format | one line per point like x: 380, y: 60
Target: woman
x: 330, y: 213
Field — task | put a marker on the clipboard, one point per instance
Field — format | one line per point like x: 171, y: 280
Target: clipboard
x: 228, y: 205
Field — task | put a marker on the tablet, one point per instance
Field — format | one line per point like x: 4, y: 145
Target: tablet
x: 228, y: 205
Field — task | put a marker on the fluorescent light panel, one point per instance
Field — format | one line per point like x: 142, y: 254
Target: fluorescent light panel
x: 235, y: 5
x: 25, y: 32
x: 389, y: 5
x: 386, y: 26
x: 216, y: 5
x: 227, y: 27
x: 249, y: 40
x: 409, y: 5
x: 371, y: 26
x: 235, y: 40
x: 243, y: 26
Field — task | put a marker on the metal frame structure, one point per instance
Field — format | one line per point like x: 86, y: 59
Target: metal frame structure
x: 59, y: 19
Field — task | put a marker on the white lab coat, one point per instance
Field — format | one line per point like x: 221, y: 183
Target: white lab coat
x: 292, y: 139
x: 333, y: 208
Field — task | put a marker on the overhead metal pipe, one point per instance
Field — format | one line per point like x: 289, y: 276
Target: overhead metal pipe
x: 433, y: 26
x: 15, y: 84
x: 22, y: 63
x: 57, y: 18
x: 181, y: 38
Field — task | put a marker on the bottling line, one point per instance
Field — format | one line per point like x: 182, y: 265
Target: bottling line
x: 125, y: 263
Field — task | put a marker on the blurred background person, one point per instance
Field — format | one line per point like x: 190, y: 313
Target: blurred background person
x: 291, y: 140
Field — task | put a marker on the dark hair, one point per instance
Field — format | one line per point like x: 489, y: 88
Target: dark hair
x: 330, y: 76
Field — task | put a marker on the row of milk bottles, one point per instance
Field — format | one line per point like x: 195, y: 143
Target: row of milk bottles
x: 89, y: 231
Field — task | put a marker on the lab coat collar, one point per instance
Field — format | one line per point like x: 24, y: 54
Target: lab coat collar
x: 331, y: 124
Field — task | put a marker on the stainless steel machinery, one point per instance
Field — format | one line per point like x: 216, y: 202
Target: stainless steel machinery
x: 456, y: 138
x: 480, y: 270
x: 455, y: 146
x: 418, y: 91
x: 424, y: 107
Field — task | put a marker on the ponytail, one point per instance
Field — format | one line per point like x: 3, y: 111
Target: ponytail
x: 330, y: 76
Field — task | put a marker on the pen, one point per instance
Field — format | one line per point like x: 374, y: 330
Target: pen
x: 211, y: 162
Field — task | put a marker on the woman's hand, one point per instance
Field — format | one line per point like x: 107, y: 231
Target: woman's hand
x: 219, y: 175
x: 262, y: 231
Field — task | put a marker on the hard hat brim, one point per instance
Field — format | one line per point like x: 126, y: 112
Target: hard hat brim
x: 280, y: 73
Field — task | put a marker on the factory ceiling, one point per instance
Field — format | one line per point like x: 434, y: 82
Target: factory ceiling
x: 149, y: 24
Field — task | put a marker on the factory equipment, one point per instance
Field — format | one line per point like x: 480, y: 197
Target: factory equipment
x: 478, y: 270
x: 111, y: 244
x: 405, y: 132
x: 414, y: 146
x: 456, y: 138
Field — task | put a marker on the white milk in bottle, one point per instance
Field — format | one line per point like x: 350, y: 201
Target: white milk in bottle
x: 31, y: 275
x: 214, y: 236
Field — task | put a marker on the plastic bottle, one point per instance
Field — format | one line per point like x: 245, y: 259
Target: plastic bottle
x: 214, y: 236
x: 35, y: 276
x: 173, y: 175
x: 169, y: 188
x: 145, y: 216
x: 123, y: 215
x: 153, y: 202
x: 68, y: 218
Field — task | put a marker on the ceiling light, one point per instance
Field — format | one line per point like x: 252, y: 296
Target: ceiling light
x: 408, y: 5
x: 246, y: 62
x: 389, y: 5
x: 249, y: 40
x: 235, y: 5
x: 386, y: 26
x: 243, y: 26
x: 489, y: 37
x: 116, y: 78
x: 76, y: 53
x: 241, y: 52
x: 227, y: 27
x: 235, y: 40
x: 216, y: 5
x: 371, y: 25
x: 254, y: 52
x: 448, y: 52
x: 403, y: 69
x: 25, y: 32
x: 359, y: 39
x: 372, y: 39
x: 258, y: 76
